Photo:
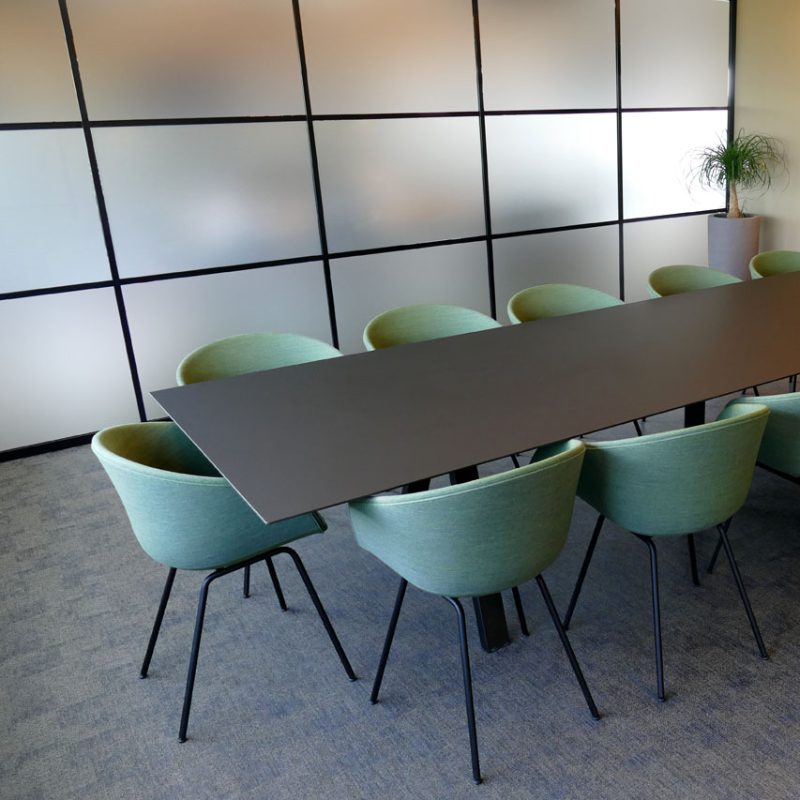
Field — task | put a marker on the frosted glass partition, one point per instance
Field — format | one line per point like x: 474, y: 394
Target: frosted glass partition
x: 67, y: 372
x: 674, y: 53
x: 657, y: 243
x: 187, y: 58
x: 394, y: 55
x: 35, y: 77
x: 169, y: 319
x: 50, y: 230
x: 400, y: 181
x: 658, y: 154
x: 364, y: 286
x: 545, y: 54
x: 552, y: 170
x: 587, y: 257
x: 206, y: 195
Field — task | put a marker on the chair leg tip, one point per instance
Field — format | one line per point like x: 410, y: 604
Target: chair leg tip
x: 181, y: 739
x: 477, y: 781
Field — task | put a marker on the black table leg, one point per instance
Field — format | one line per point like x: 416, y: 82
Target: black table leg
x: 489, y: 612
x: 694, y: 414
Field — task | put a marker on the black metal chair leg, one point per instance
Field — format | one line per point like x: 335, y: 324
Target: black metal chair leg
x: 793, y: 383
x: 710, y: 567
x: 312, y: 592
x: 275, y: 582
x: 693, y: 559
x: 246, y: 582
x: 468, y: 698
x: 582, y: 574
x: 162, y: 607
x: 637, y: 426
x: 387, y: 644
x: 723, y: 534
x: 656, y: 615
x: 562, y: 634
x: 198, y: 632
x: 523, y: 623
x: 515, y: 460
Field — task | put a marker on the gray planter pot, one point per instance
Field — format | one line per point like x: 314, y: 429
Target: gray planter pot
x: 732, y: 243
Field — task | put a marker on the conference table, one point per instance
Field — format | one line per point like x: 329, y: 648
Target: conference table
x: 311, y: 436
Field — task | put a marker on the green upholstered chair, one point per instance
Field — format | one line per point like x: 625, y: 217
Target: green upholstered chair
x: 679, y: 278
x: 774, y: 262
x: 252, y: 352
x: 556, y: 300
x: 474, y: 539
x: 187, y: 517
x: 673, y: 484
x: 420, y: 323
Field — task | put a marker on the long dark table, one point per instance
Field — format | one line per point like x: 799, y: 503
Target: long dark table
x: 315, y: 435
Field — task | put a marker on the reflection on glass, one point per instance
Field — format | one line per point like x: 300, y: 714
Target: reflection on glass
x: 551, y: 170
x: 364, y: 286
x: 49, y: 225
x: 35, y: 76
x: 207, y: 195
x: 390, y: 56
x: 587, y: 257
x: 657, y: 157
x: 67, y: 367
x: 399, y: 181
x: 657, y: 243
x: 542, y: 54
x: 187, y: 58
x: 675, y: 53
x: 169, y: 319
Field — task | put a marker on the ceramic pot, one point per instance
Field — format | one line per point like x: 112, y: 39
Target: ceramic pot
x: 732, y: 242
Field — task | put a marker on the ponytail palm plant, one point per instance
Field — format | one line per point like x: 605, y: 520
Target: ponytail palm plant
x: 744, y: 163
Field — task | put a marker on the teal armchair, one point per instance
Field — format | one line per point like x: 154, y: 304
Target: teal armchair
x: 680, y: 278
x: 556, y: 300
x: 187, y: 517
x: 675, y: 483
x: 774, y: 262
x: 474, y: 539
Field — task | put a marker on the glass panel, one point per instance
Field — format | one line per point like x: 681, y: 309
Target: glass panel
x: 394, y: 55
x: 187, y: 58
x: 657, y: 243
x: 49, y: 225
x: 207, y: 195
x: 675, y: 53
x: 552, y: 170
x: 365, y: 286
x: 657, y: 158
x: 588, y: 257
x: 35, y: 75
x: 399, y: 181
x: 67, y: 367
x: 169, y: 319
x: 541, y: 54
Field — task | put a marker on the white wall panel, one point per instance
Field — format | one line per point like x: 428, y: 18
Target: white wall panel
x: 169, y: 319
x: 63, y: 366
x: 364, y: 286
x: 181, y: 197
x: 587, y: 257
x: 657, y: 243
x: 50, y: 232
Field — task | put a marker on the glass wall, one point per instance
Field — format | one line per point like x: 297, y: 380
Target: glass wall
x: 180, y: 170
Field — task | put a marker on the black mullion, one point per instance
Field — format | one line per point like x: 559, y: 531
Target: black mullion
x: 101, y: 207
x: 38, y: 126
x: 487, y: 209
x: 72, y: 287
x: 620, y: 198
x: 312, y: 143
x: 732, y: 19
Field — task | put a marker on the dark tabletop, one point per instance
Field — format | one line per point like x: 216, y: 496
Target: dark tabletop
x: 310, y: 436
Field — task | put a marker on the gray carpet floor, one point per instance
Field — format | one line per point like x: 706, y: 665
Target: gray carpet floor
x: 275, y: 717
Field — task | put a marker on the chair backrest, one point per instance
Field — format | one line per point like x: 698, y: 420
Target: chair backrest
x: 556, y: 300
x: 250, y: 352
x: 419, y: 323
x: 780, y: 447
x: 774, y: 262
x: 479, y: 537
x: 182, y: 512
x: 677, y: 482
x: 679, y: 278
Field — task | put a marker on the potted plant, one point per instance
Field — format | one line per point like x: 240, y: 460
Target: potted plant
x: 743, y: 163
